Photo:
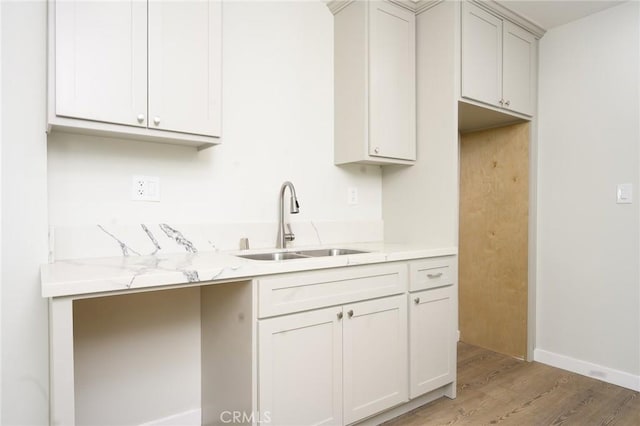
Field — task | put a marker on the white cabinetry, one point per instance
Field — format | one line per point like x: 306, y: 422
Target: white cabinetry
x: 300, y: 368
x: 432, y: 325
x: 148, y: 70
x: 101, y: 61
x: 498, y: 61
x: 375, y: 356
x: 374, y: 74
x: 323, y: 347
x: 433, y: 340
x: 333, y: 365
x: 518, y: 69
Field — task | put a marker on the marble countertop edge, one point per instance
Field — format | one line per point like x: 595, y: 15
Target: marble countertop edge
x: 78, y: 277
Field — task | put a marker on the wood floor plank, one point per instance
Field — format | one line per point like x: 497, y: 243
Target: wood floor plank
x: 495, y: 389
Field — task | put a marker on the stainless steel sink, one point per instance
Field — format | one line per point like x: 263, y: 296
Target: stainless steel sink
x: 303, y: 254
x: 273, y: 256
x: 330, y: 252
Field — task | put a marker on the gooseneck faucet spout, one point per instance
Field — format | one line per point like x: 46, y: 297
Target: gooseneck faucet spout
x: 294, y: 208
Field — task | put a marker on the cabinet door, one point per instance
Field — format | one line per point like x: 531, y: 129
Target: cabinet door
x: 101, y: 60
x: 392, y: 104
x: 375, y: 356
x: 185, y: 66
x: 432, y: 339
x: 481, y: 55
x: 519, y: 67
x: 300, y: 368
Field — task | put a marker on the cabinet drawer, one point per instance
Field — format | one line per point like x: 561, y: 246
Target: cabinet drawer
x: 431, y: 273
x: 283, y: 294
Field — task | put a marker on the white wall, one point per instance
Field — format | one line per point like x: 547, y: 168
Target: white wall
x: 588, y: 303
x: 24, y: 219
x: 277, y: 126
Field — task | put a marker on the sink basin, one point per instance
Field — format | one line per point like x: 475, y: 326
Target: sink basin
x: 279, y: 255
x: 304, y: 254
x: 330, y: 252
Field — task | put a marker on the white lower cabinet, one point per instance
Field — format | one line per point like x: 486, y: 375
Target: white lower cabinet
x: 335, y: 365
x: 300, y: 368
x: 432, y: 339
x: 375, y: 356
x: 338, y: 346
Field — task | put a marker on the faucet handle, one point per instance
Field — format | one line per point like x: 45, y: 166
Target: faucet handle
x: 289, y: 236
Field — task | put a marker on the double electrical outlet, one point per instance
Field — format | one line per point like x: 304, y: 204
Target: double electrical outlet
x: 145, y: 188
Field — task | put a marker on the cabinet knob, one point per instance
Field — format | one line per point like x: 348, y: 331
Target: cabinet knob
x: 376, y: 150
x: 507, y: 103
x: 140, y: 118
x: 156, y: 120
x: 340, y: 315
x: 501, y: 101
x: 350, y: 313
x: 417, y: 300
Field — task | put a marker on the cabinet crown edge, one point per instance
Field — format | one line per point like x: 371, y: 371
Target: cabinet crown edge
x: 418, y: 6
x: 336, y: 6
x: 492, y: 6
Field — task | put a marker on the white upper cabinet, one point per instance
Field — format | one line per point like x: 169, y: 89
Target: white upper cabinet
x: 374, y: 83
x: 101, y: 61
x: 498, y: 61
x: 481, y: 55
x: 518, y: 69
x: 392, y: 85
x: 184, y: 66
x: 132, y: 68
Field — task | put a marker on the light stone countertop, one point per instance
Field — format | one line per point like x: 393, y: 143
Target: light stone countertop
x: 131, y: 273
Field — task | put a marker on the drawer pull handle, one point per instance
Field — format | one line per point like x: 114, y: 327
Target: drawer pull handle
x: 438, y: 275
x: 350, y: 313
x: 339, y: 315
x: 417, y: 300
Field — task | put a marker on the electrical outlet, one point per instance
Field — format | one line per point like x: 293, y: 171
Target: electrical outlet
x: 145, y: 188
x: 352, y: 196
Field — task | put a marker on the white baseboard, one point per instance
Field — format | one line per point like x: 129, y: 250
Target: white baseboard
x: 606, y: 374
x: 186, y: 418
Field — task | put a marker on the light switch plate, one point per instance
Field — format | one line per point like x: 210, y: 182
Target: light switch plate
x: 624, y: 194
x: 352, y: 195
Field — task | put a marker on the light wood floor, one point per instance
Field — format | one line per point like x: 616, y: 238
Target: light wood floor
x: 497, y: 389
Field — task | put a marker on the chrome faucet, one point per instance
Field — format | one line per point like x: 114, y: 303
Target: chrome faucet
x: 294, y: 208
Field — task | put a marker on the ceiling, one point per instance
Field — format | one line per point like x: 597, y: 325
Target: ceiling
x: 549, y: 14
